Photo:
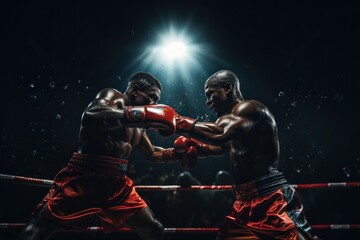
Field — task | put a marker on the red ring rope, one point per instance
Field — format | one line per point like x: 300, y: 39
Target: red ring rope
x: 47, y: 183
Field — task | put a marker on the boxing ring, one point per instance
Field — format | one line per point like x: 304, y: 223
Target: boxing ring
x: 47, y: 183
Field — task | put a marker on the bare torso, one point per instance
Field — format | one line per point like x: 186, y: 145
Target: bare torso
x: 101, y: 130
x: 255, y: 149
x: 251, y: 133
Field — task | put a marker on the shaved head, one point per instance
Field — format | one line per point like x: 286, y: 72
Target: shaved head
x: 222, y: 77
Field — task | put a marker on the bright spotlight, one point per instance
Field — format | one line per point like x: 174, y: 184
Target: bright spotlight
x: 174, y: 50
x: 175, y: 54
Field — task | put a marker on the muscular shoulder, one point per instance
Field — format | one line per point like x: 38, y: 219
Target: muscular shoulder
x: 109, y: 94
x: 253, y: 110
x: 245, y: 110
x: 247, y: 107
x: 111, y: 97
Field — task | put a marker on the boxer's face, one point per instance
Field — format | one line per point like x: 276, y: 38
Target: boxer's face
x: 147, y: 96
x: 216, y: 97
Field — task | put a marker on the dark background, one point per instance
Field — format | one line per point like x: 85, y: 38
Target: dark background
x: 300, y: 58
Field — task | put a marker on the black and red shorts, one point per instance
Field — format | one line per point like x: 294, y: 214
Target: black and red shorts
x: 91, y: 186
x: 265, y: 208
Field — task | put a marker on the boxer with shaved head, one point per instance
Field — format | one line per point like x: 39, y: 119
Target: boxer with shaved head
x: 266, y: 206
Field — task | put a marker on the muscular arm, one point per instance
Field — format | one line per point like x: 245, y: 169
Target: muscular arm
x: 215, y: 150
x: 109, y: 108
x: 157, y: 154
x: 101, y: 109
x: 241, y: 120
x: 107, y: 105
x: 152, y: 153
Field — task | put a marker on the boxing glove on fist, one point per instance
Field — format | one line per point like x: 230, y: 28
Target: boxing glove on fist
x: 188, y: 159
x: 159, y: 116
x: 189, y: 150
x: 182, y: 144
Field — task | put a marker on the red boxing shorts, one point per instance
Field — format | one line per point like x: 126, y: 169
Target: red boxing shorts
x: 265, y: 208
x: 91, y: 186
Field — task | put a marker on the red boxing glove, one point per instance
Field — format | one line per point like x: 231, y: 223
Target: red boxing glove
x: 182, y: 144
x: 190, y: 149
x: 184, y: 124
x: 158, y: 116
x: 187, y: 158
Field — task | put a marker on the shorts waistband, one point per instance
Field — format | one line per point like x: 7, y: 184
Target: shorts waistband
x: 260, y: 186
x: 110, y: 166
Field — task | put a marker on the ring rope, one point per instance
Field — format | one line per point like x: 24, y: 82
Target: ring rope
x: 186, y: 230
x: 48, y: 183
